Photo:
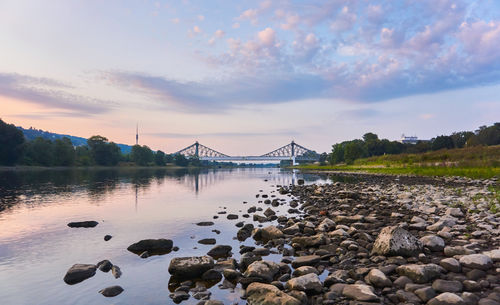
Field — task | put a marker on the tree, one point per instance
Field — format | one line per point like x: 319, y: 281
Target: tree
x: 64, y: 152
x: 460, y: 138
x: 102, y: 152
x: 160, y: 158
x: 353, y: 150
x: 489, y: 135
x: 141, y: 155
x: 82, y: 154
x: 169, y: 158
x: 337, y: 155
x: 11, y: 143
x: 40, y: 151
x: 442, y: 142
x: 180, y: 160
x: 323, y: 158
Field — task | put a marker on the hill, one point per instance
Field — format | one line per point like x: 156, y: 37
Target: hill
x: 32, y: 133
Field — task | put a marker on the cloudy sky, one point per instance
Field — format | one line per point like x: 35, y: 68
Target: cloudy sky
x: 245, y: 77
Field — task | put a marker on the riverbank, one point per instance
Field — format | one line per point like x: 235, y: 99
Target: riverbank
x: 380, y: 240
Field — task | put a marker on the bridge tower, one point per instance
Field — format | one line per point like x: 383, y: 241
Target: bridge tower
x: 293, y: 153
x: 197, y: 149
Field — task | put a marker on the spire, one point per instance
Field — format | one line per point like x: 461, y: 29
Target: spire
x: 137, y: 134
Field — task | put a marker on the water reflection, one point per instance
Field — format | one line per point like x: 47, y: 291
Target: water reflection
x: 27, y: 185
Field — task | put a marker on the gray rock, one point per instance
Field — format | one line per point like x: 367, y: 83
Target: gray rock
x: 104, y: 265
x: 153, y: 246
x: 267, y: 233
x: 211, y: 275
x: 447, y: 298
x: 111, y: 291
x: 433, y: 242
x: 261, y: 251
x: 245, y: 232
x: 265, y: 270
x: 450, y: 264
x: 476, y: 261
x: 207, y: 241
x: 310, y: 241
x: 425, y: 294
x: 305, y: 270
x: 420, y: 273
x: 78, y: 273
x: 232, y: 216
x: 107, y: 237
x: 116, y: 271
x: 220, y: 251
x: 407, y: 297
x: 179, y: 296
x: 258, y: 293
x: 494, y: 255
x: 447, y: 286
x: 269, y: 212
x: 310, y: 283
x: 205, y: 223
x: 393, y: 241
x: 83, y: 224
x: 378, y: 279
x: 360, y: 292
x: 308, y: 260
x: 190, y: 267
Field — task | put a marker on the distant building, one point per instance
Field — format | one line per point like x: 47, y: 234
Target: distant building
x: 408, y: 140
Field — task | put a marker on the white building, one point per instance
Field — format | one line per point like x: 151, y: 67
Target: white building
x: 408, y: 140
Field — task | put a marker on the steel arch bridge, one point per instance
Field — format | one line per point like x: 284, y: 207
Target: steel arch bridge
x: 292, y: 151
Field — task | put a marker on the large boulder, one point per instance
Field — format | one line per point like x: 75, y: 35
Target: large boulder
x: 264, y: 270
x: 78, y: 273
x: 309, y: 283
x: 265, y: 294
x: 395, y: 241
x: 307, y: 260
x: 153, y: 246
x: 476, y: 261
x: 420, y: 274
x: 360, y: 292
x: 267, y: 233
x: 447, y: 298
x: 245, y: 232
x: 190, y: 267
x: 83, y: 224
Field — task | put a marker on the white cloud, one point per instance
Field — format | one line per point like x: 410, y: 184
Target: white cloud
x: 219, y: 33
x: 196, y: 29
x: 236, y: 25
x: 201, y: 17
x: 267, y: 37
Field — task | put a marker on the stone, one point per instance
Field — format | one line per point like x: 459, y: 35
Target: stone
x: 220, y: 251
x: 265, y: 270
x: 360, y: 292
x: 190, y: 267
x: 179, y: 296
x: 245, y: 232
x: 78, y: 273
x: 476, y: 261
x: 308, y: 260
x: 214, y: 302
x: 207, y: 241
x: 261, y: 251
x: 494, y: 255
x: 447, y: 286
x: 402, y: 281
x: 116, y: 271
x: 211, y: 275
x: 268, y: 233
x: 447, y: 298
x: 107, y: 237
x: 310, y: 283
x: 265, y: 294
x: 425, y: 294
x: 420, y: 274
x: 378, y: 279
x: 231, y: 275
x: 83, y: 224
x: 433, y: 243
x: 310, y: 241
x: 407, y: 297
x: 205, y: 223
x: 153, y: 246
x: 394, y: 241
x: 232, y: 216
x: 293, y: 229
x: 305, y: 270
x: 326, y: 225
x: 104, y: 265
x: 111, y: 291
x: 269, y: 212
x: 450, y: 264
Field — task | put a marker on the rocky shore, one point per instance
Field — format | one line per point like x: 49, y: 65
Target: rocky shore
x: 376, y: 240
x: 382, y: 240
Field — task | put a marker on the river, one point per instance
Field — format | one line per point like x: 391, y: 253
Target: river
x: 37, y: 247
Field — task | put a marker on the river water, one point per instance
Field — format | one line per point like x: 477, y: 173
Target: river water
x: 37, y: 247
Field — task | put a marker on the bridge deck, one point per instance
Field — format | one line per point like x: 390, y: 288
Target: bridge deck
x: 253, y: 158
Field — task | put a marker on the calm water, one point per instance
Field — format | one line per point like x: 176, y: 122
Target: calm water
x: 37, y: 247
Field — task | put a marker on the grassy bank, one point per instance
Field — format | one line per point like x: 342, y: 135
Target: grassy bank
x: 473, y: 162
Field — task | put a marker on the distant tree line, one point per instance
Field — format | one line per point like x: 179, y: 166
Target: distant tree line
x: 371, y: 145
x: 15, y: 149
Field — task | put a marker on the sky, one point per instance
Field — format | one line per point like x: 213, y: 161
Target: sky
x: 246, y: 77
